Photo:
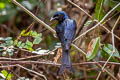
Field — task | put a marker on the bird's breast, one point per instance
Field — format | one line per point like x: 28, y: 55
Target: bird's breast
x: 59, y: 28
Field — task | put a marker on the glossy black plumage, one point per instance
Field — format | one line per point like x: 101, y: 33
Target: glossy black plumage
x: 65, y: 30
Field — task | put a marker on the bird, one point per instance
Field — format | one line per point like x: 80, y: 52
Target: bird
x: 65, y: 29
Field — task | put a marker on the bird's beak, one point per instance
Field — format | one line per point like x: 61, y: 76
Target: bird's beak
x: 51, y: 19
x: 54, y: 18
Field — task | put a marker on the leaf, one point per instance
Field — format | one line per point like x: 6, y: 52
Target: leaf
x: 93, y: 48
x: 107, y: 51
x: 8, y: 76
x: 4, y: 72
x: 29, y: 48
x: 15, y: 42
x: 33, y: 34
x: 22, y: 45
x: 26, y: 34
x: 28, y: 43
x: 19, y: 43
x: 37, y: 40
x: 88, y: 23
x: 9, y: 42
x: 99, y: 11
x: 113, y: 3
x: 106, y: 56
x: 22, y: 32
x: 4, y: 53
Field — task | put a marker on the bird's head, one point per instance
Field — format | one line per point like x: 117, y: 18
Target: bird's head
x: 60, y: 16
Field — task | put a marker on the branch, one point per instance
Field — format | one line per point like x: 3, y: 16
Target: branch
x: 29, y: 57
x: 33, y: 16
x: 52, y: 63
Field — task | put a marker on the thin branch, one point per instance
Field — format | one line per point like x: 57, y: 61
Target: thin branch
x: 32, y: 71
x: 33, y: 16
x: 29, y: 57
x: 80, y: 8
x: 51, y: 63
x: 39, y: 74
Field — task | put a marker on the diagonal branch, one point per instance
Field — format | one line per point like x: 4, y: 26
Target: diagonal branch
x: 33, y: 16
x: 32, y: 71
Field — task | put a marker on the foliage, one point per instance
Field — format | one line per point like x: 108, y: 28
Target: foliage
x: 7, y: 75
x: 9, y: 45
x: 6, y: 47
x: 93, y: 48
x: 99, y: 11
x: 107, y: 51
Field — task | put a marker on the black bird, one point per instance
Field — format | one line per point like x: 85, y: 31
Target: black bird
x: 65, y: 30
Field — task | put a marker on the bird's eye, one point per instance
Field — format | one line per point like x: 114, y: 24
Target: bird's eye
x: 56, y: 15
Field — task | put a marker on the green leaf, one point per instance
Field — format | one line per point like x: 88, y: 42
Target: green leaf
x: 33, y: 33
x: 30, y: 48
x: 88, y: 23
x: 4, y: 53
x: 9, y: 42
x: 19, y: 43
x: 4, y: 72
x: 30, y: 44
x: 99, y: 11
x: 94, y: 48
x: 22, y: 45
x: 107, y: 51
x: 15, y: 42
x: 106, y: 56
x: 26, y: 34
x: 2, y: 5
x: 113, y: 3
x: 22, y: 32
x: 37, y: 40
x: 8, y: 76
x: 25, y: 46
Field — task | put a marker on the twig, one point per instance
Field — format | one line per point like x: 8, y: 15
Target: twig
x: 79, y: 8
x: 25, y: 69
x: 52, y: 63
x: 32, y: 71
x: 30, y: 57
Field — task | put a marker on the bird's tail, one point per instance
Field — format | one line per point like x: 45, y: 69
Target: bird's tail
x: 66, y: 62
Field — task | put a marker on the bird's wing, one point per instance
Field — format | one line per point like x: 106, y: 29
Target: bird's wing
x: 69, y: 29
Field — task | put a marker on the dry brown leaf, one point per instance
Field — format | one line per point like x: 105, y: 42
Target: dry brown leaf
x: 59, y: 54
